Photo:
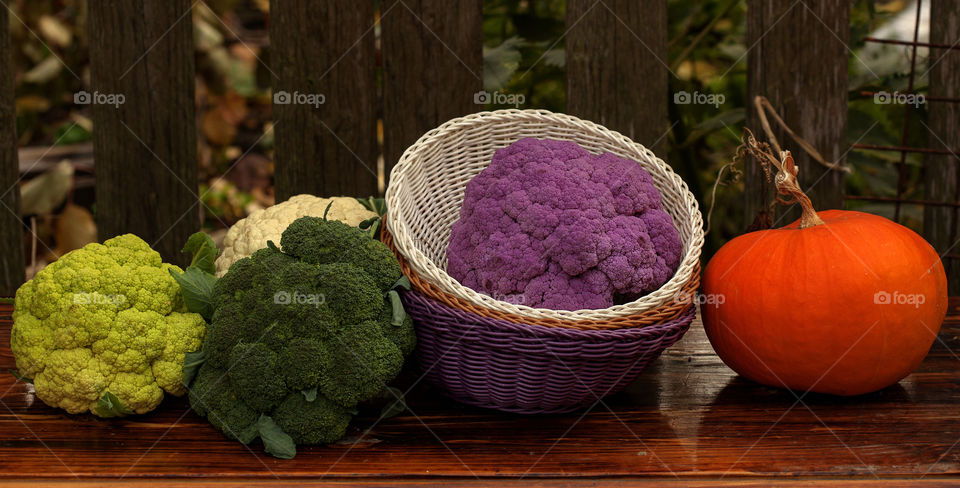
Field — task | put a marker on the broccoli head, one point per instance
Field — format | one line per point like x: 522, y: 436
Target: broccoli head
x: 104, y: 329
x: 299, y: 337
x: 548, y: 224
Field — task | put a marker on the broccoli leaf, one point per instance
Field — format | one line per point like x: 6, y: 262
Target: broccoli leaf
x: 110, y: 406
x: 191, y: 365
x: 375, y: 205
x: 21, y: 378
x: 371, y: 226
x: 399, y: 314
x: 310, y: 394
x: 275, y: 441
x: 196, y: 286
x: 204, y: 251
x: 397, y: 406
x: 403, y: 282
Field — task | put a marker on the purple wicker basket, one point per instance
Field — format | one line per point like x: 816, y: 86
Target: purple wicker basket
x: 525, y: 368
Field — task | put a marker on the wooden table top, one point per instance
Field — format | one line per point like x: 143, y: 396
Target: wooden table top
x: 687, y: 419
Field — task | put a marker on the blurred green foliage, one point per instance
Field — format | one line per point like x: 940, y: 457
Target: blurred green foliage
x: 523, y: 54
x: 523, y: 51
x: 707, y: 52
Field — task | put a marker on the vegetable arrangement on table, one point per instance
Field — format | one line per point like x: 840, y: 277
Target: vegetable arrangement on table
x: 301, y: 319
x: 296, y: 339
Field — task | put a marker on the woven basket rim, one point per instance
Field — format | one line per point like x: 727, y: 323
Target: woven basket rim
x: 664, y: 313
x: 437, y: 276
x: 633, y: 335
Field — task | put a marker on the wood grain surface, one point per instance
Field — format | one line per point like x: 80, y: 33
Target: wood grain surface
x: 324, y: 49
x: 806, y: 82
x: 688, y: 419
x: 432, y: 68
x: 941, y: 174
x: 617, y: 71
x: 11, y: 227
x: 145, y: 147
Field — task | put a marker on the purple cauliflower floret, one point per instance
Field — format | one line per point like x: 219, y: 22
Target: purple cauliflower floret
x: 550, y: 225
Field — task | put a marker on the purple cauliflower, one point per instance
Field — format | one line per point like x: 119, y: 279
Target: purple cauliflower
x: 550, y: 225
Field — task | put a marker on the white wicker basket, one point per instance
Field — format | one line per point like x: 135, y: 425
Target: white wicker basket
x: 427, y: 185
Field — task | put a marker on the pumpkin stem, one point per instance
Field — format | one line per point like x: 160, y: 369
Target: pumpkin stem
x: 786, y: 178
x: 787, y: 185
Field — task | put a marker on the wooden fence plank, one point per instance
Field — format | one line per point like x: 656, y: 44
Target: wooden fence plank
x: 616, y: 66
x: 11, y: 227
x: 324, y: 49
x: 941, y: 173
x: 432, y: 67
x: 798, y: 58
x: 145, y: 148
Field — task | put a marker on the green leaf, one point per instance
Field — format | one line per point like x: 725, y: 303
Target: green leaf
x: 71, y: 133
x: 555, y: 57
x: 399, y: 314
x: 204, y: 251
x: 310, y: 394
x: 110, y: 406
x: 21, y: 378
x: 191, y: 365
x: 374, y: 204
x: 371, y: 226
x: 500, y: 63
x: 196, y: 286
x: 367, y: 223
x: 403, y: 282
x: 275, y: 441
x: 327, y: 210
x: 8, y: 301
x: 397, y: 406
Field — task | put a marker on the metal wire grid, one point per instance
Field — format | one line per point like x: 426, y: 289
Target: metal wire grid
x: 903, y: 148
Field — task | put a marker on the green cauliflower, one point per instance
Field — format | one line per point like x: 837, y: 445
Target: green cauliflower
x: 298, y: 338
x: 104, y: 329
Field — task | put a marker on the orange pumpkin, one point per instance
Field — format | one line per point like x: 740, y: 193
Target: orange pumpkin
x: 838, y: 302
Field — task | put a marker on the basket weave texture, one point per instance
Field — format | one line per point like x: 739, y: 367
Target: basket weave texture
x: 668, y: 311
x: 520, y: 368
x: 427, y: 188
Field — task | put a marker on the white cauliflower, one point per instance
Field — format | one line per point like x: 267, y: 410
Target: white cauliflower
x: 252, y: 233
